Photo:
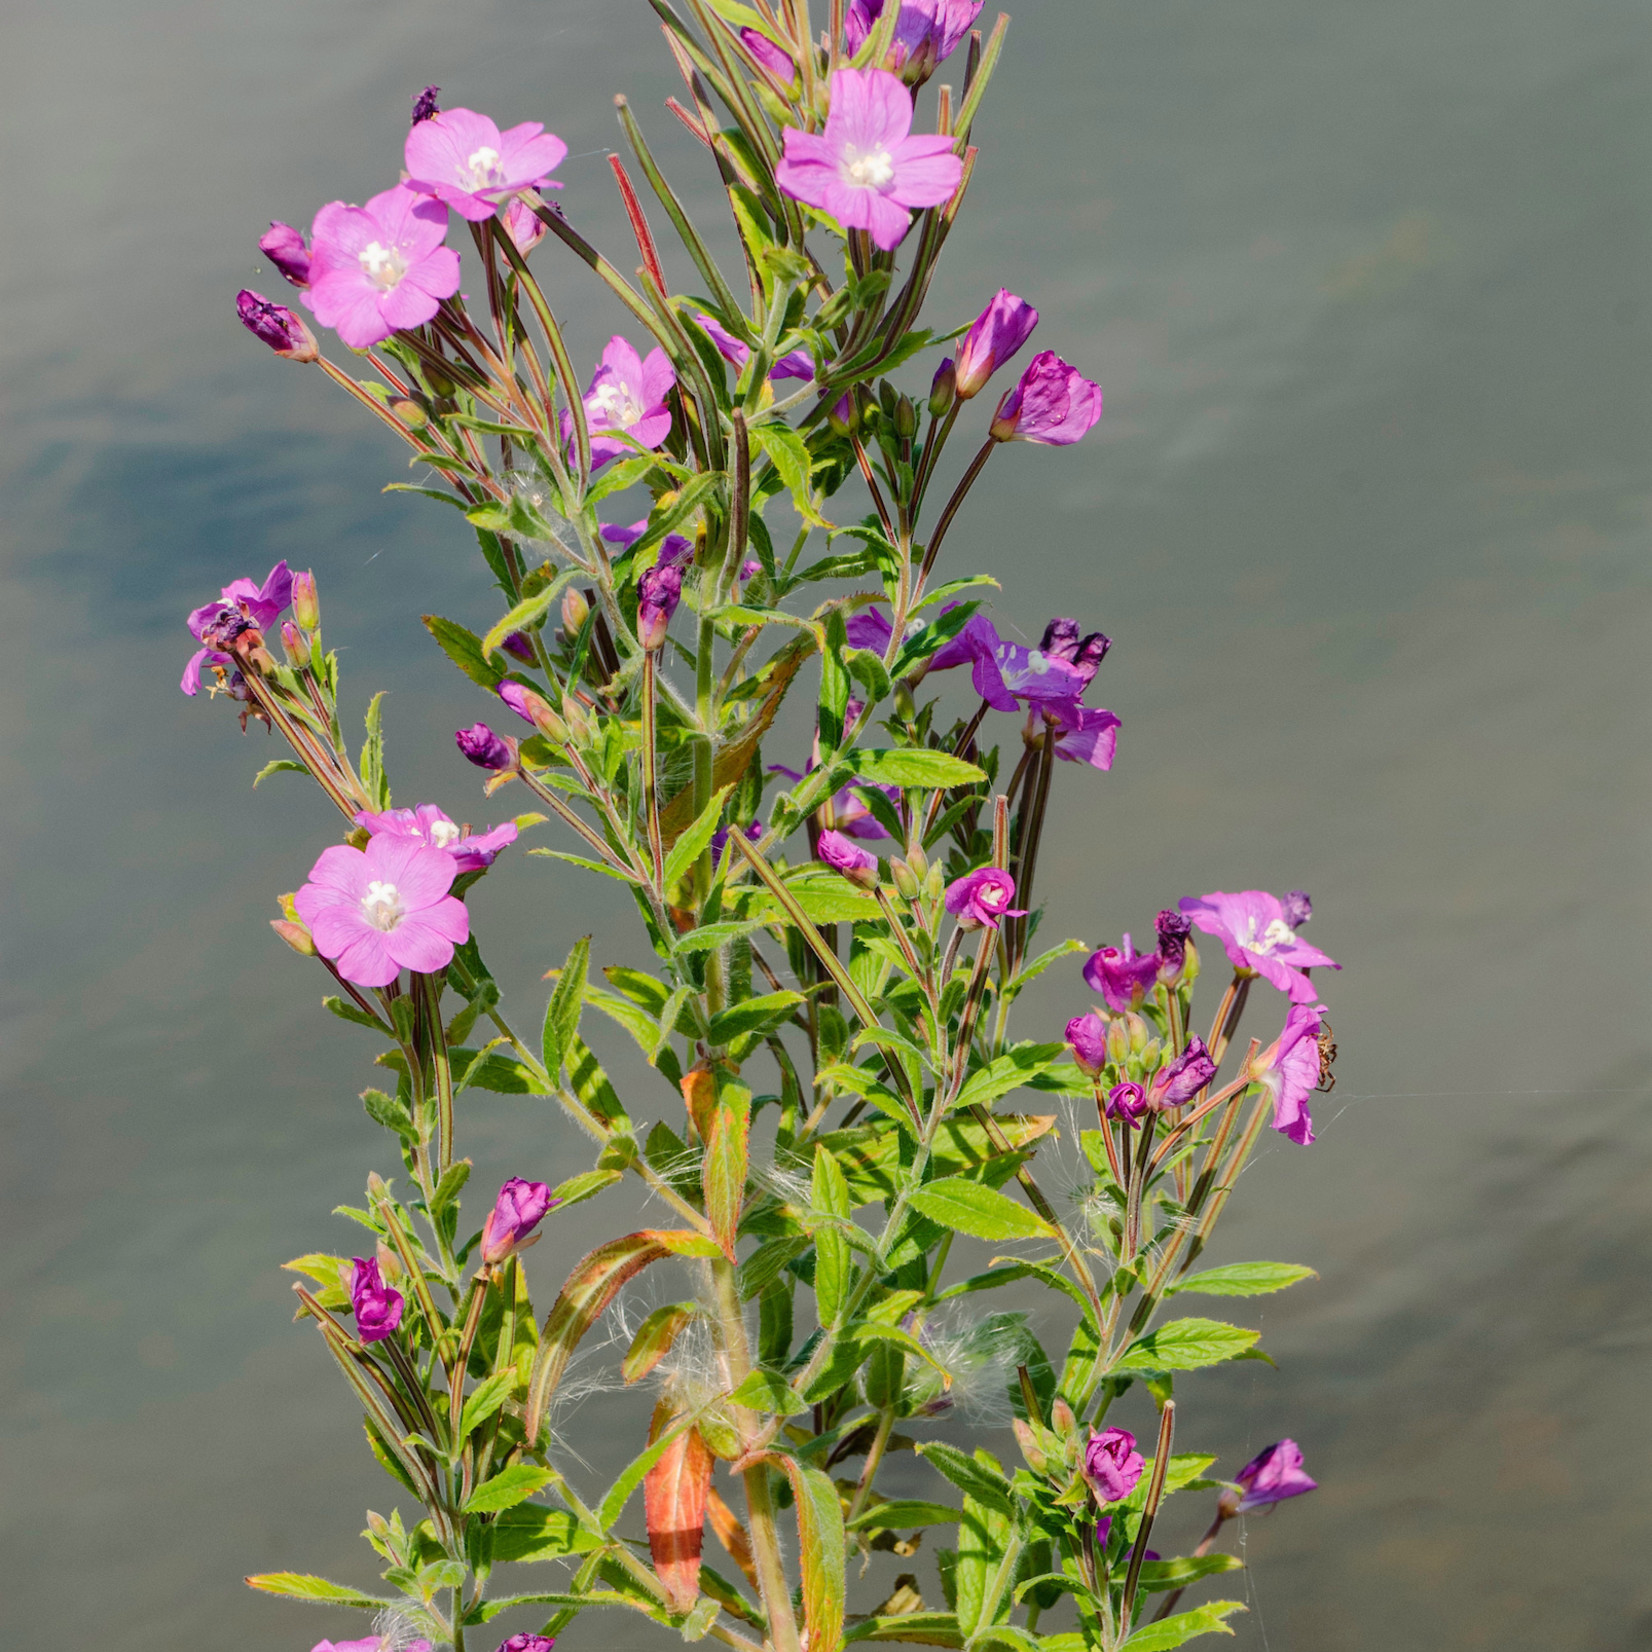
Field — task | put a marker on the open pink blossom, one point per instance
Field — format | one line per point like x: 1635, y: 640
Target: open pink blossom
x: 1084, y: 734
x: 1053, y: 404
x: 462, y: 158
x: 1257, y: 931
x: 866, y: 169
x: 429, y: 826
x: 241, y: 606
x: 980, y: 898
x: 378, y: 269
x: 626, y: 395
x: 797, y: 364
x: 1291, y: 1072
x: 378, y: 910
x: 373, y: 1643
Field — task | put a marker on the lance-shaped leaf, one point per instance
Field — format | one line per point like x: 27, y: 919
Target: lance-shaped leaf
x: 913, y: 1628
x: 1243, y: 1279
x: 687, y: 849
x: 464, y: 648
x: 820, y: 1546
x: 1172, y: 1632
x: 903, y: 1514
x: 300, y: 1586
x: 724, y: 1173
x: 1186, y: 1345
x: 908, y: 766
x: 1158, y: 1575
x: 505, y: 1490
x: 829, y: 1195
x: 978, y: 1210
x: 562, y: 1012
x: 732, y: 1534
x: 654, y: 1339
x: 674, y: 1499
x: 754, y: 1015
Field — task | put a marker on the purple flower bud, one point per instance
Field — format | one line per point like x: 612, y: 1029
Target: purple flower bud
x: 378, y: 1309
x: 1054, y: 404
x: 520, y: 646
x: 284, y: 247
x: 750, y: 568
x: 658, y: 592
x: 846, y: 856
x: 1184, y: 1078
x: 1112, y: 1464
x: 518, y: 698
x: 527, y: 1641
x: 523, y: 225
x: 1127, y: 1101
x: 425, y: 106
x: 518, y: 1210
x: 772, y: 57
x: 999, y: 331
x: 277, y: 326
x: 306, y: 604
x: 1269, y: 1477
x: 842, y: 416
x: 1060, y: 639
x: 1087, y: 1039
x: 1124, y: 978
x: 484, y: 748
x: 980, y: 898
x: 943, y: 388
x: 1296, y: 909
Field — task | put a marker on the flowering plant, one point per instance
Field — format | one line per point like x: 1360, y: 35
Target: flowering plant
x: 838, y: 948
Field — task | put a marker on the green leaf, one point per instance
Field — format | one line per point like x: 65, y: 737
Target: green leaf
x: 974, y: 1478
x: 912, y: 766
x: 790, y: 456
x: 1243, y: 1279
x: 504, y: 1491
x: 1185, y: 1345
x: 1202, y: 1620
x: 530, y: 1531
x: 978, y: 1210
x: 820, y: 1548
x: 689, y: 847
x: 1008, y: 1072
x: 562, y: 1012
x: 755, y: 1015
x: 464, y: 648
x: 349, y: 1012
x: 902, y: 1515
x: 769, y: 1391
x: 724, y: 1171
x: 485, y: 1400
x: 833, y: 1262
x: 300, y: 1586
x: 834, y: 683
x: 708, y: 937
x: 919, y: 1628
x: 654, y: 1339
x: 586, y: 1185
x: 372, y: 755
x: 1158, y: 1575
x: 275, y: 766
x: 524, y: 614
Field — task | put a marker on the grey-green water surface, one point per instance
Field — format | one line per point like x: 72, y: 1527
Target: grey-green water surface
x: 1367, y: 287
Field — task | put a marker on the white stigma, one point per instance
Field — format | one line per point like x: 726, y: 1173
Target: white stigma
x: 384, y: 266
x: 1277, y: 934
x: 616, y: 404
x: 442, y: 833
x: 382, y: 905
x: 482, y: 170
x: 867, y: 168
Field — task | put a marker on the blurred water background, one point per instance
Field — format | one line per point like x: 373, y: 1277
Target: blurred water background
x: 1367, y: 286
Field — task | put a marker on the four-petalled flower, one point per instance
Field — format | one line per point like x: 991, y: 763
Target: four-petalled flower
x: 462, y: 158
x: 1259, y: 936
x: 1269, y: 1477
x: 626, y: 396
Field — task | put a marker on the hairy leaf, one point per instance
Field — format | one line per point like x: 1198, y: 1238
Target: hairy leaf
x: 978, y: 1210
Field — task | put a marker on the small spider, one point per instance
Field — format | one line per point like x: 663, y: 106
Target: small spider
x: 1327, y: 1056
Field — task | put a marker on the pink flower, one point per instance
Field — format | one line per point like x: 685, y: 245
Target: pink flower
x: 378, y: 269
x: 377, y: 910
x: 284, y: 247
x: 1128, y: 1101
x: 1269, y: 1477
x: 524, y: 226
x: 241, y: 606
x: 1292, y: 1072
x: 659, y: 590
x: 373, y: 1643
x: 843, y: 855
x: 980, y: 898
x: 377, y: 1308
x: 462, y: 158
x: 1053, y: 404
x: 1084, y: 734
x: 626, y: 394
x: 276, y: 325
x: 1124, y: 978
x: 999, y: 331
x: 429, y: 826
x: 1112, y: 1464
x: 518, y: 1210
x: 1259, y: 935
x: 866, y: 169
x: 1087, y: 1039
x: 926, y: 32
x: 1184, y: 1078
x: 776, y: 59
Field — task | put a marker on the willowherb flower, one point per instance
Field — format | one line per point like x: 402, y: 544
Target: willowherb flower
x: 484, y: 748
x: 462, y: 158
x: 719, y: 839
x: 797, y: 364
x: 429, y: 826
x: 519, y: 1209
x: 1112, y: 1465
x: 1087, y: 1039
x: 1128, y: 1101
x: 980, y: 898
x: 847, y: 857
x: 1084, y: 734
x: 1269, y: 1477
x: 1084, y: 653
x: 1054, y: 404
x: 1172, y: 928
x: 674, y: 549
x: 866, y: 169
x: 276, y: 326
x: 1291, y: 1071
x: 626, y: 395
x: 927, y: 32
x: 377, y: 1308
x: 1184, y: 1077
x: 373, y: 1643
x: 284, y: 247
x: 1259, y: 936
x: 659, y: 590
x: 241, y: 607
x: 776, y: 59
x: 527, y: 1641
x: 522, y: 224
x: 1124, y: 977
x: 378, y: 910
x: 998, y: 332
x: 380, y: 268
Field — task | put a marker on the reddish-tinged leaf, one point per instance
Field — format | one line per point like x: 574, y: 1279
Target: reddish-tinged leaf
x: 674, y: 1493
x: 700, y: 1097
x: 724, y: 1173
x: 732, y: 1534
x: 820, y: 1547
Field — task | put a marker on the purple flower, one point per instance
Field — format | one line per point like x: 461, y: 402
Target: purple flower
x: 927, y: 32
x: 1112, y: 1464
x: 373, y: 1643
x: 1128, y: 1101
x: 527, y: 1641
x: 1296, y: 908
x: 425, y: 106
x: 378, y: 1309
x: 1054, y: 404
x: 1184, y: 1078
x: 1258, y: 935
x: 378, y: 269
x: 1172, y: 928
x: 799, y: 364
x: 523, y: 225
x: 626, y: 394
x: 1124, y: 978
x: 241, y: 606
x: 484, y: 748
x: 284, y: 247
x: 377, y: 910
x: 795, y: 364
x: 518, y: 1210
x: 999, y: 331
x: 276, y: 325
x: 719, y: 839
x: 980, y: 898
x: 848, y: 810
x: 462, y: 158
x: 519, y: 699
x: 658, y: 592
x: 1087, y: 1039
x: 1084, y: 734
x: 429, y: 826
x: 1269, y: 1477
x: 520, y: 645
x: 774, y: 58
x: 1292, y: 1072
x: 674, y: 549
x: 1062, y: 641
x: 866, y: 169
x: 845, y: 856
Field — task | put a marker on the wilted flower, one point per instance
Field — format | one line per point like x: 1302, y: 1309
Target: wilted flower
x: 378, y: 1309
x: 1172, y: 930
x: 276, y: 325
x: 1254, y: 927
x: 1084, y: 734
x: 1112, y: 1464
x: 999, y: 331
x: 377, y: 269
x: 425, y: 106
x: 527, y: 1641
x: 1291, y: 1072
x: 1054, y: 404
x: 1296, y: 908
x: 429, y: 826
x: 1184, y: 1078
x: 927, y: 32
x: 284, y: 247
x: 980, y: 898
x: 1084, y: 653
x: 1087, y: 1039
x: 1269, y: 1477
x: 1124, y: 978
x: 462, y: 158
x: 658, y: 592
x: 866, y: 169
x: 1127, y: 1101
x: 847, y: 857
x: 241, y: 607
x: 378, y: 910
x: 518, y: 1210
x: 626, y: 394
x: 484, y: 748
x: 522, y: 224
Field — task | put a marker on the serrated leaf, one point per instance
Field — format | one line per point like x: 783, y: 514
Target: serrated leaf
x: 973, y: 1478
x: 275, y: 766
x: 1008, y: 1072
x: 915, y: 767
x: 464, y: 648
x: 1185, y: 1345
x: 530, y: 1531
x: 768, y: 1391
x: 755, y: 1015
x: 1159, y: 1575
x: 301, y: 1586
x: 372, y: 755
x: 914, y: 1628
x: 724, y: 1171
x: 688, y: 848
x: 586, y: 1185
x: 902, y: 1514
x: 1172, y: 1632
x: 505, y: 1490
x: 1243, y: 1279
x: 820, y: 1549
x: 485, y: 1400
x: 980, y: 1211
x: 562, y: 1012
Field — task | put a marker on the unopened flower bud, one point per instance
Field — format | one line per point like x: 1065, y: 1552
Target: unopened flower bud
x: 378, y: 1309
x: 1087, y: 1039
x: 295, y: 645
x: 1062, y: 1419
x: 486, y: 749
x: 918, y: 861
x: 575, y: 610
x: 935, y: 883
x: 844, y: 855
x: 518, y: 1210
x: 277, y: 326
x: 523, y: 225
x: 943, y: 389
x: 906, y: 419
x: 519, y: 645
x: 906, y: 708
x: 658, y: 592
x: 295, y: 935
x: 842, y: 416
x: 906, y: 881
x: 1028, y: 1441
x: 306, y: 605
x: 1118, y: 1043
x: 284, y: 247
x: 998, y: 332
x: 410, y: 413
x: 1139, y: 1033
x: 390, y: 1264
